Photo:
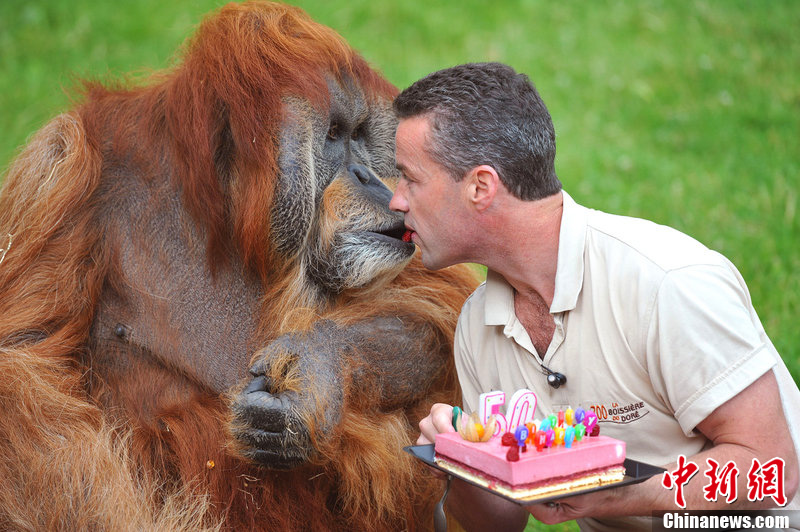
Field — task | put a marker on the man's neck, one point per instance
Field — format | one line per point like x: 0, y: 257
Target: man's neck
x: 524, y: 248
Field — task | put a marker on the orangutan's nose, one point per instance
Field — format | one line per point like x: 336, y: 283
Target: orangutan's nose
x: 373, y: 186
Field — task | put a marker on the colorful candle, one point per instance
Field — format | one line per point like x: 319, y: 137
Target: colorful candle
x: 580, y: 430
x: 569, y: 437
x: 569, y: 417
x: 531, y: 426
x: 590, y: 421
x: 551, y: 435
x: 456, y: 417
x: 521, y: 434
x: 521, y: 408
x: 489, y: 404
x: 540, y: 440
x: 559, y: 437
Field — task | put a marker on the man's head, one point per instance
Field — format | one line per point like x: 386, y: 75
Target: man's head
x: 486, y: 114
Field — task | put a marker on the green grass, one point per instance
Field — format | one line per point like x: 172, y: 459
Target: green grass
x: 686, y: 113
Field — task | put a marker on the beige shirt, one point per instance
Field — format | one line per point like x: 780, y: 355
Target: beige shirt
x: 653, y: 332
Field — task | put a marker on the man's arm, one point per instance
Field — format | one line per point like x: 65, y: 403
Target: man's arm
x: 474, y: 508
x: 750, y: 425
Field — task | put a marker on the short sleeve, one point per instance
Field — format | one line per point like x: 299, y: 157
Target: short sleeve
x: 703, y: 346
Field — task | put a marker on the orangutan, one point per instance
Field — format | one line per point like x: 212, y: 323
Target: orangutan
x: 209, y: 317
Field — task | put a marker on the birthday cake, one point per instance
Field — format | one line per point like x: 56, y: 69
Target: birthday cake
x: 525, y: 458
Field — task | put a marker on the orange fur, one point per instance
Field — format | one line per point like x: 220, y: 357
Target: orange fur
x: 68, y: 463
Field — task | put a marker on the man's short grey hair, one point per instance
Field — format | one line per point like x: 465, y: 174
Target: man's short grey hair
x: 486, y: 113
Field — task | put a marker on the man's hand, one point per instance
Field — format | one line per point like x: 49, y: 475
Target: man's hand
x: 439, y: 420
x: 551, y: 513
x: 591, y: 504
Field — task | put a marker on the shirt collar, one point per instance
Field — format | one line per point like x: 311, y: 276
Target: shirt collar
x: 499, y: 301
x: 571, y: 245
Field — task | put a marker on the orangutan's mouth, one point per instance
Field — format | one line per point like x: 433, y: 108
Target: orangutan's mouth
x: 396, y: 231
x: 396, y: 235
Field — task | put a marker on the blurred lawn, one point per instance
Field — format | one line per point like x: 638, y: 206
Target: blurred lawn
x: 686, y: 113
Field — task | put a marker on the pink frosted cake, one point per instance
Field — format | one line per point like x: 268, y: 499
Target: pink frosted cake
x: 527, y: 459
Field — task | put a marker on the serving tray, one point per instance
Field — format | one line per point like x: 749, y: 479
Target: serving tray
x: 635, y: 472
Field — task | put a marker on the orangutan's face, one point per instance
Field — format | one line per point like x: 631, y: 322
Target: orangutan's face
x: 332, y: 207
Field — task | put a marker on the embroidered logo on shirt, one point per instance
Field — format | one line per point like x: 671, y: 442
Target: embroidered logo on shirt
x: 619, y: 413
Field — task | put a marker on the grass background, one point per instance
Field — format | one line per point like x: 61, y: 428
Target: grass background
x: 686, y: 113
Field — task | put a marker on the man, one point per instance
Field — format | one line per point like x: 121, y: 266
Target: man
x: 642, y: 320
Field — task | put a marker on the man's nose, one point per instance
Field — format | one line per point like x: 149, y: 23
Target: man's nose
x: 398, y: 202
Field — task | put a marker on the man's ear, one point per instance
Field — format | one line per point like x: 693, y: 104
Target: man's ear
x: 483, y: 185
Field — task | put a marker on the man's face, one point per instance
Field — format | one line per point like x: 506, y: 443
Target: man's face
x: 428, y: 197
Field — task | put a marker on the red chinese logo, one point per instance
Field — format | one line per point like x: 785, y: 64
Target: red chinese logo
x: 721, y: 482
x: 763, y: 480
x: 766, y: 480
x: 679, y: 478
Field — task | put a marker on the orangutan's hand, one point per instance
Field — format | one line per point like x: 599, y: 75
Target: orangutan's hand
x: 297, y: 380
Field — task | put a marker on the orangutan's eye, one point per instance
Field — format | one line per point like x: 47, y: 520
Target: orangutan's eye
x: 333, y: 131
x: 358, y: 133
